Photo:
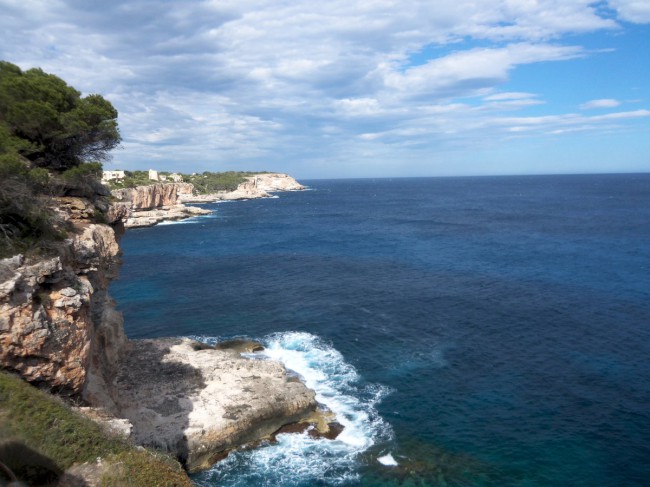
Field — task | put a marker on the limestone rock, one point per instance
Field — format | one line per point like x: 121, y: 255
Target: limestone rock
x: 256, y: 186
x: 75, y: 209
x: 198, y: 402
x: 148, y: 205
x: 50, y: 307
x: 59, y: 329
x: 159, y: 195
x: 114, y: 426
x: 277, y: 182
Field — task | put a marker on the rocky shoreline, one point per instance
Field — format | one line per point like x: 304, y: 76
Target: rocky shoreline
x: 59, y: 329
x: 149, y: 205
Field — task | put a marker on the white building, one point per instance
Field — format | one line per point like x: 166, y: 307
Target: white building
x: 112, y: 176
x: 153, y: 175
x: 177, y: 178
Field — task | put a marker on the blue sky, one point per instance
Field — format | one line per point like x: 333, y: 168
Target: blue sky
x: 355, y: 88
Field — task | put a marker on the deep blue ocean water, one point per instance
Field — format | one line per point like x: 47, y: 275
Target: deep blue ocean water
x: 489, y: 331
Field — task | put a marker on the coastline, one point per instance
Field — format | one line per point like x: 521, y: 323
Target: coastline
x: 146, y: 206
x: 193, y: 400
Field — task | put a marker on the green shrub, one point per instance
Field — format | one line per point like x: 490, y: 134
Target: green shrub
x: 26, y: 222
x: 49, y: 123
x: 211, y: 182
x: 50, y: 140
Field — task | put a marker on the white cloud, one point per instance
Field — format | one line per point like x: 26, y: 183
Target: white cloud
x: 637, y: 11
x: 600, y: 103
x: 467, y: 72
x: 509, y: 96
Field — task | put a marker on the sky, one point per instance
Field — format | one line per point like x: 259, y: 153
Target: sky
x: 355, y: 88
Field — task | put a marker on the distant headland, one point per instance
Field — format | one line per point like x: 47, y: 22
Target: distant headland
x: 149, y: 197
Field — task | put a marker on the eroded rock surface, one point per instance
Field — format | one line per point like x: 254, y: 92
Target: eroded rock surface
x: 199, y: 402
x: 256, y: 186
x: 148, y: 205
x: 56, y: 323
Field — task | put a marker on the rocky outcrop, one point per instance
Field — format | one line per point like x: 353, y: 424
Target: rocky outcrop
x: 57, y: 328
x: 198, y: 402
x: 271, y: 182
x: 148, y: 205
x: 160, y: 195
x: 256, y: 186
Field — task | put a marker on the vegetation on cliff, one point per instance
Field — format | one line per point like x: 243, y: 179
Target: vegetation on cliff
x: 41, y: 437
x: 131, y: 180
x: 48, y: 122
x: 52, y: 142
x: 204, y: 183
x: 212, y: 182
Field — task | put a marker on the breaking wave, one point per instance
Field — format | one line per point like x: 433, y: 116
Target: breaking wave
x: 297, y: 459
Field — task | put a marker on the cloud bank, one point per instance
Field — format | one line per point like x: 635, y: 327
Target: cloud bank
x: 320, y: 88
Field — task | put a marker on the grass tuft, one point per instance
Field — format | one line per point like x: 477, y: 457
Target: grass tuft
x: 52, y: 437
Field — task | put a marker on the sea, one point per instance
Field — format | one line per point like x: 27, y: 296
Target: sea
x: 466, y: 331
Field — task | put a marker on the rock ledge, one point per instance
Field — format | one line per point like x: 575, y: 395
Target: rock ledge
x: 199, y: 402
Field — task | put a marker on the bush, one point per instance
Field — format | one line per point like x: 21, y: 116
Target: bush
x: 50, y: 141
x: 82, y: 180
x: 26, y: 222
x: 211, y: 182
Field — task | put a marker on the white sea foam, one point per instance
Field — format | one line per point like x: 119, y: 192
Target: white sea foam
x: 187, y: 221
x: 298, y: 459
x: 177, y: 222
x: 387, y: 460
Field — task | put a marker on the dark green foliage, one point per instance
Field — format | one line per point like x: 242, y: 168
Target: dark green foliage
x: 50, y: 141
x: 25, y: 220
x: 49, y: 123
x: 132, y: 179
x: 82, y: 180
x: 211, y: 182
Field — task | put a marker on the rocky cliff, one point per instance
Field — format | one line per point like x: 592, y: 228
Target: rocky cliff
x: 256, y: 186
x: 276, y: 182
x: 160, y: 195
x: 59, y: 330
x: 148, y: 205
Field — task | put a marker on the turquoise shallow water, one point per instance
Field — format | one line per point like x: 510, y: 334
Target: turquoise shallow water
x: 477, y: 331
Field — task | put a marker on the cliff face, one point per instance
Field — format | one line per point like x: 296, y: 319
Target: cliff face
x: 148, y: 205
x: 256, y: 186
x: 58, y: 327
x: 276, y: 182
x: 155, y: 196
